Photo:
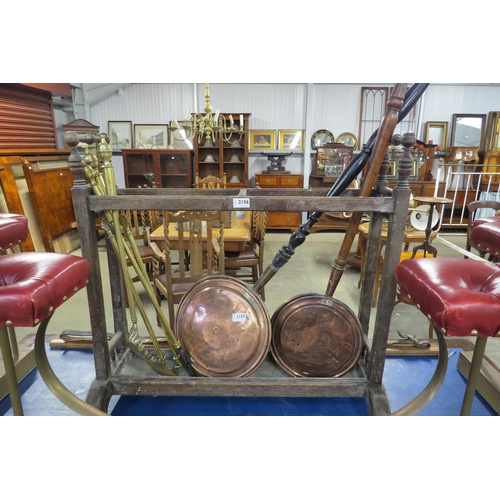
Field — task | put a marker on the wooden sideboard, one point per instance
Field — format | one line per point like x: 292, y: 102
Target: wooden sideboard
x: 281, y: 220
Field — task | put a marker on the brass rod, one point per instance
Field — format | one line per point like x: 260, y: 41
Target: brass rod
x: 473, y: 377
x: 10, y: 372
x: 431, y: 389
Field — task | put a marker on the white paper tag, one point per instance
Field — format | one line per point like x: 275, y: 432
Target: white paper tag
x: 241, y: 202
x: 239, y: 317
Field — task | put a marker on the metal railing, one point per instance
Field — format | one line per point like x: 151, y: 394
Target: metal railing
x: 464, y: 187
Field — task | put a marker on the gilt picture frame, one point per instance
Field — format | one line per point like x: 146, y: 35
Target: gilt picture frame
x: 437, y: 132
x: 291, y: 140
x: 262, y: 140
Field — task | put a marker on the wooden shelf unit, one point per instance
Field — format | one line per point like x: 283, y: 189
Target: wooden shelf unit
x: 222, y: 152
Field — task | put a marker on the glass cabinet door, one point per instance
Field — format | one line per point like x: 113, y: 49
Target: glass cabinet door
x: 175, y: 169
x: 139, y: 170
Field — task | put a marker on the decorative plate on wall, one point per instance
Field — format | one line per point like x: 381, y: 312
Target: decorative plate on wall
x: 320, y: 138
x: 348, y: 139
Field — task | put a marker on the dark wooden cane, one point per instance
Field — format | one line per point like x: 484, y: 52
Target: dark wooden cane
x: 354, y: 168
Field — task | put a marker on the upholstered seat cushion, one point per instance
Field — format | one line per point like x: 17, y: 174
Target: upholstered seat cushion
x: 486, y: 236
x: 13, y: 230
x: 178, y: 287
x: 144, y: 251
x: 485, y: 220
x: 247, y: 253
x: 33, y: 285
x: 459, y: 296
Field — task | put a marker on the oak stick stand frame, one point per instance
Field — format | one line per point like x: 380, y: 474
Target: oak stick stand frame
x: 120, y: 372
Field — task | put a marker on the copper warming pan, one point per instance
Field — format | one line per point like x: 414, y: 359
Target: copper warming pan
x: 224, y: 327
x: 316, y: 335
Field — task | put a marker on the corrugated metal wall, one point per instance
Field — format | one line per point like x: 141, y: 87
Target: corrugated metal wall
x: 145, y: 103
x: 335, y: 107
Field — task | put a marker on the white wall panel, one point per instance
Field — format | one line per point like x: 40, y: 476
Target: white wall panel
x: 273, y: 106
x: 442, y: 101
x: 334, y: 107
x: 153, y: 103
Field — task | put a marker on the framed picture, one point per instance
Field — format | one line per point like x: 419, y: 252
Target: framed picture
x: 151, y: 136
x: 178, y: 139
x: 391, y: 171
x: 291, y: 140
x: 436, y: 133
x: 120, y: 135
x: 262, y: 139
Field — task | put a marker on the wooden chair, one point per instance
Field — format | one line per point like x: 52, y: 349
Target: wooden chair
x: 486, y: 236
x: 252, y: 257
x: 205, y: 254
x: 210, y: 182
x: 411, y: 237
x: 141, y: 224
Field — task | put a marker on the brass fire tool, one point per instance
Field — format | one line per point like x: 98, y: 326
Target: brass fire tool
x: 122, y: 241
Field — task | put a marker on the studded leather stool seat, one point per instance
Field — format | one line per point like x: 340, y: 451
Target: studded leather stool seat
x: 13, y: 230
x: 32, y: 286
x: 460, y: 297
x: 485, y: 236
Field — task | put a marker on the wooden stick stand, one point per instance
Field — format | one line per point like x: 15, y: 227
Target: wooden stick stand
x: 120, y: 372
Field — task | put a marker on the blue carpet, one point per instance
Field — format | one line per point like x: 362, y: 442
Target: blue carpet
x: 404, y: 378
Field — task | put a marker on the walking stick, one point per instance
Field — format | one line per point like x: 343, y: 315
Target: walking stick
x: 378, y: 145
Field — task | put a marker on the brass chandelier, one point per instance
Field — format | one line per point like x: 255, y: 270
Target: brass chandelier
x: 209, y: 125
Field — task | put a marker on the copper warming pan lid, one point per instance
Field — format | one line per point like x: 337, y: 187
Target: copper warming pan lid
x: 224, y: 326
x: 315, y: 335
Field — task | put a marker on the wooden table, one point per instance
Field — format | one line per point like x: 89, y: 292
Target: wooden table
x: 409, y: 238
x: 235, y: 237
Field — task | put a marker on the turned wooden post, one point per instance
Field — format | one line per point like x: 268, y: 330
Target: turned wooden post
x: 384, y: 135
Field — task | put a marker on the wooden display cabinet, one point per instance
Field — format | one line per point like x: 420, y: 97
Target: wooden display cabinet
x: 163, y: 168
x: 281, y: 220
x: 329, y: 162
x: 224, y: 155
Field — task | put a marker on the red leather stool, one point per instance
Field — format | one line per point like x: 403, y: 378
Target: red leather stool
x: 13, y: 230
x: 460, y: 297
x: 32, y: 286
x: 485, y: 237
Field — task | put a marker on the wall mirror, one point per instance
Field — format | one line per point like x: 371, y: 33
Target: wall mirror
x: 468, y: 130
x: 492, y: 139
x: 437, y: 132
